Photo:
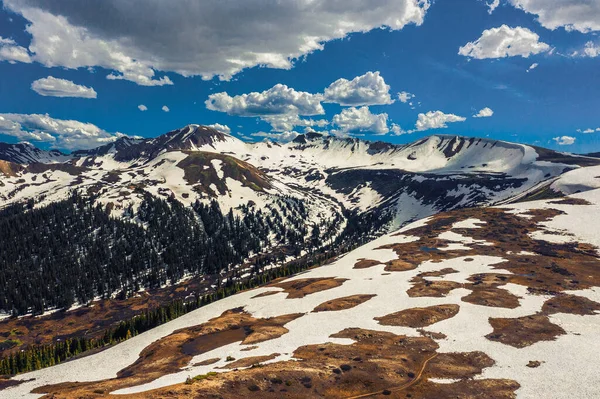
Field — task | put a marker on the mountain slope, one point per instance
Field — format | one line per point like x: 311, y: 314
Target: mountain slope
x: 304, y: 195
x: 24, y: 153
x: 358, y: 175
x: 471, y: 291
x: 408, y: 182
x: 486, y: 302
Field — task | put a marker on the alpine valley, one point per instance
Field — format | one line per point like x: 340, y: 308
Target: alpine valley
x: 154, y: 267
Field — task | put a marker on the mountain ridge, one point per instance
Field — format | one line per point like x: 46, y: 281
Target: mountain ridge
x: 195, y: 136
x: 345, y: 173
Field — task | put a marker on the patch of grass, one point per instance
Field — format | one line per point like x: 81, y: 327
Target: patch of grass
x: 198, y: 168
x: 191, y: 380
x: 9, y: 343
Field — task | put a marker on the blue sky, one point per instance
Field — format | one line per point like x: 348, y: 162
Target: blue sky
x: 72, y: 77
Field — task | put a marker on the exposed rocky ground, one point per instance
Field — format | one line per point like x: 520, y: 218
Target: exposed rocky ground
x: 471, y: 301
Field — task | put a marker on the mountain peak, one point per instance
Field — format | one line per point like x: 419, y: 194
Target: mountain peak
x: 25, y: 153
x: 303, y: 138
x: 118, y: 145
x: 191, y: 137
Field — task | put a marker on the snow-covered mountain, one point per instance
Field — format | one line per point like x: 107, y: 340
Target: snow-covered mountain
x: 399, y: 182
x: 497, y: 302
x: 25, y: 153
x: 469, y: 300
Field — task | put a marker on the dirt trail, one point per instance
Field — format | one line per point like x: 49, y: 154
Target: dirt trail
x: 400, y: 388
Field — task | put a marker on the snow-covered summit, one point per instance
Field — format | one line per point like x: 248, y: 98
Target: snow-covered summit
x: 196, y: 162
x: 25, y: 153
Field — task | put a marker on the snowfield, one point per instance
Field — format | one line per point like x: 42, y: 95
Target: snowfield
x: 568, y: 364
x: 314, y: 168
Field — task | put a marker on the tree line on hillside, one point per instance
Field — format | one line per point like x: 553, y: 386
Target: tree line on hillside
x: 73, y: 251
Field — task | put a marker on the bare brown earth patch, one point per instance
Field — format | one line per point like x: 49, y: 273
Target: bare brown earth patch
x: 419, y: 317
x: 173, y: 352
x: 431, y: 334
x: 438, y: 289
x: 376, y: 363
x: 524, y: 331
x: 265, y: 329
x: 544, y: 268
x: 366, y: 263
x: 7, y: 383
x: 439, y: 273
x: 553, y: 267
x: 10, y: 169
x: 344, y: 303
x: 491, y: 296
x: 264, y: 333
x: 87, y: 321
x: 266, y: 293
x: 399, y: 265
x: 571, y: 201
x: 249, y: 361
x: 572, y: 304
x: 302, y: 287
x: 199, y: 172
x: 67, y: 167
x: 527, y: 330
x: 459, y: 365
x: 207, y: 362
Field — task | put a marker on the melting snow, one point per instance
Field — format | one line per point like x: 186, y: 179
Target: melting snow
x: 217, y: 164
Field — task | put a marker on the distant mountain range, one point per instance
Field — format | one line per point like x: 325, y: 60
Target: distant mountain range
x: 402, y: 182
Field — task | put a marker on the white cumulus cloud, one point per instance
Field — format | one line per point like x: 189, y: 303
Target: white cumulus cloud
x: 55, y: 87
x: 165, y: 108
x: 221, y: 128
x: 533, y: 66
x: 368, y: 89
x: 591, y: 50
x: 142, y: 107
x: 589, y: 130
x: 196, y: 38
x: 398, y: 131
x: 484, y: 113
x: 278, y: 100
x: 287, y: 122
x: 436, y: 120
x: 284, y: 137
x: 573, y: 15
x: 360, y: 120
x: 492, y: 5
x: 11, y: 52
x: 66, y: 134
x: 564, y: 140
x: 405, y: 96
x: 280, y: 106
x: 504, y: 41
